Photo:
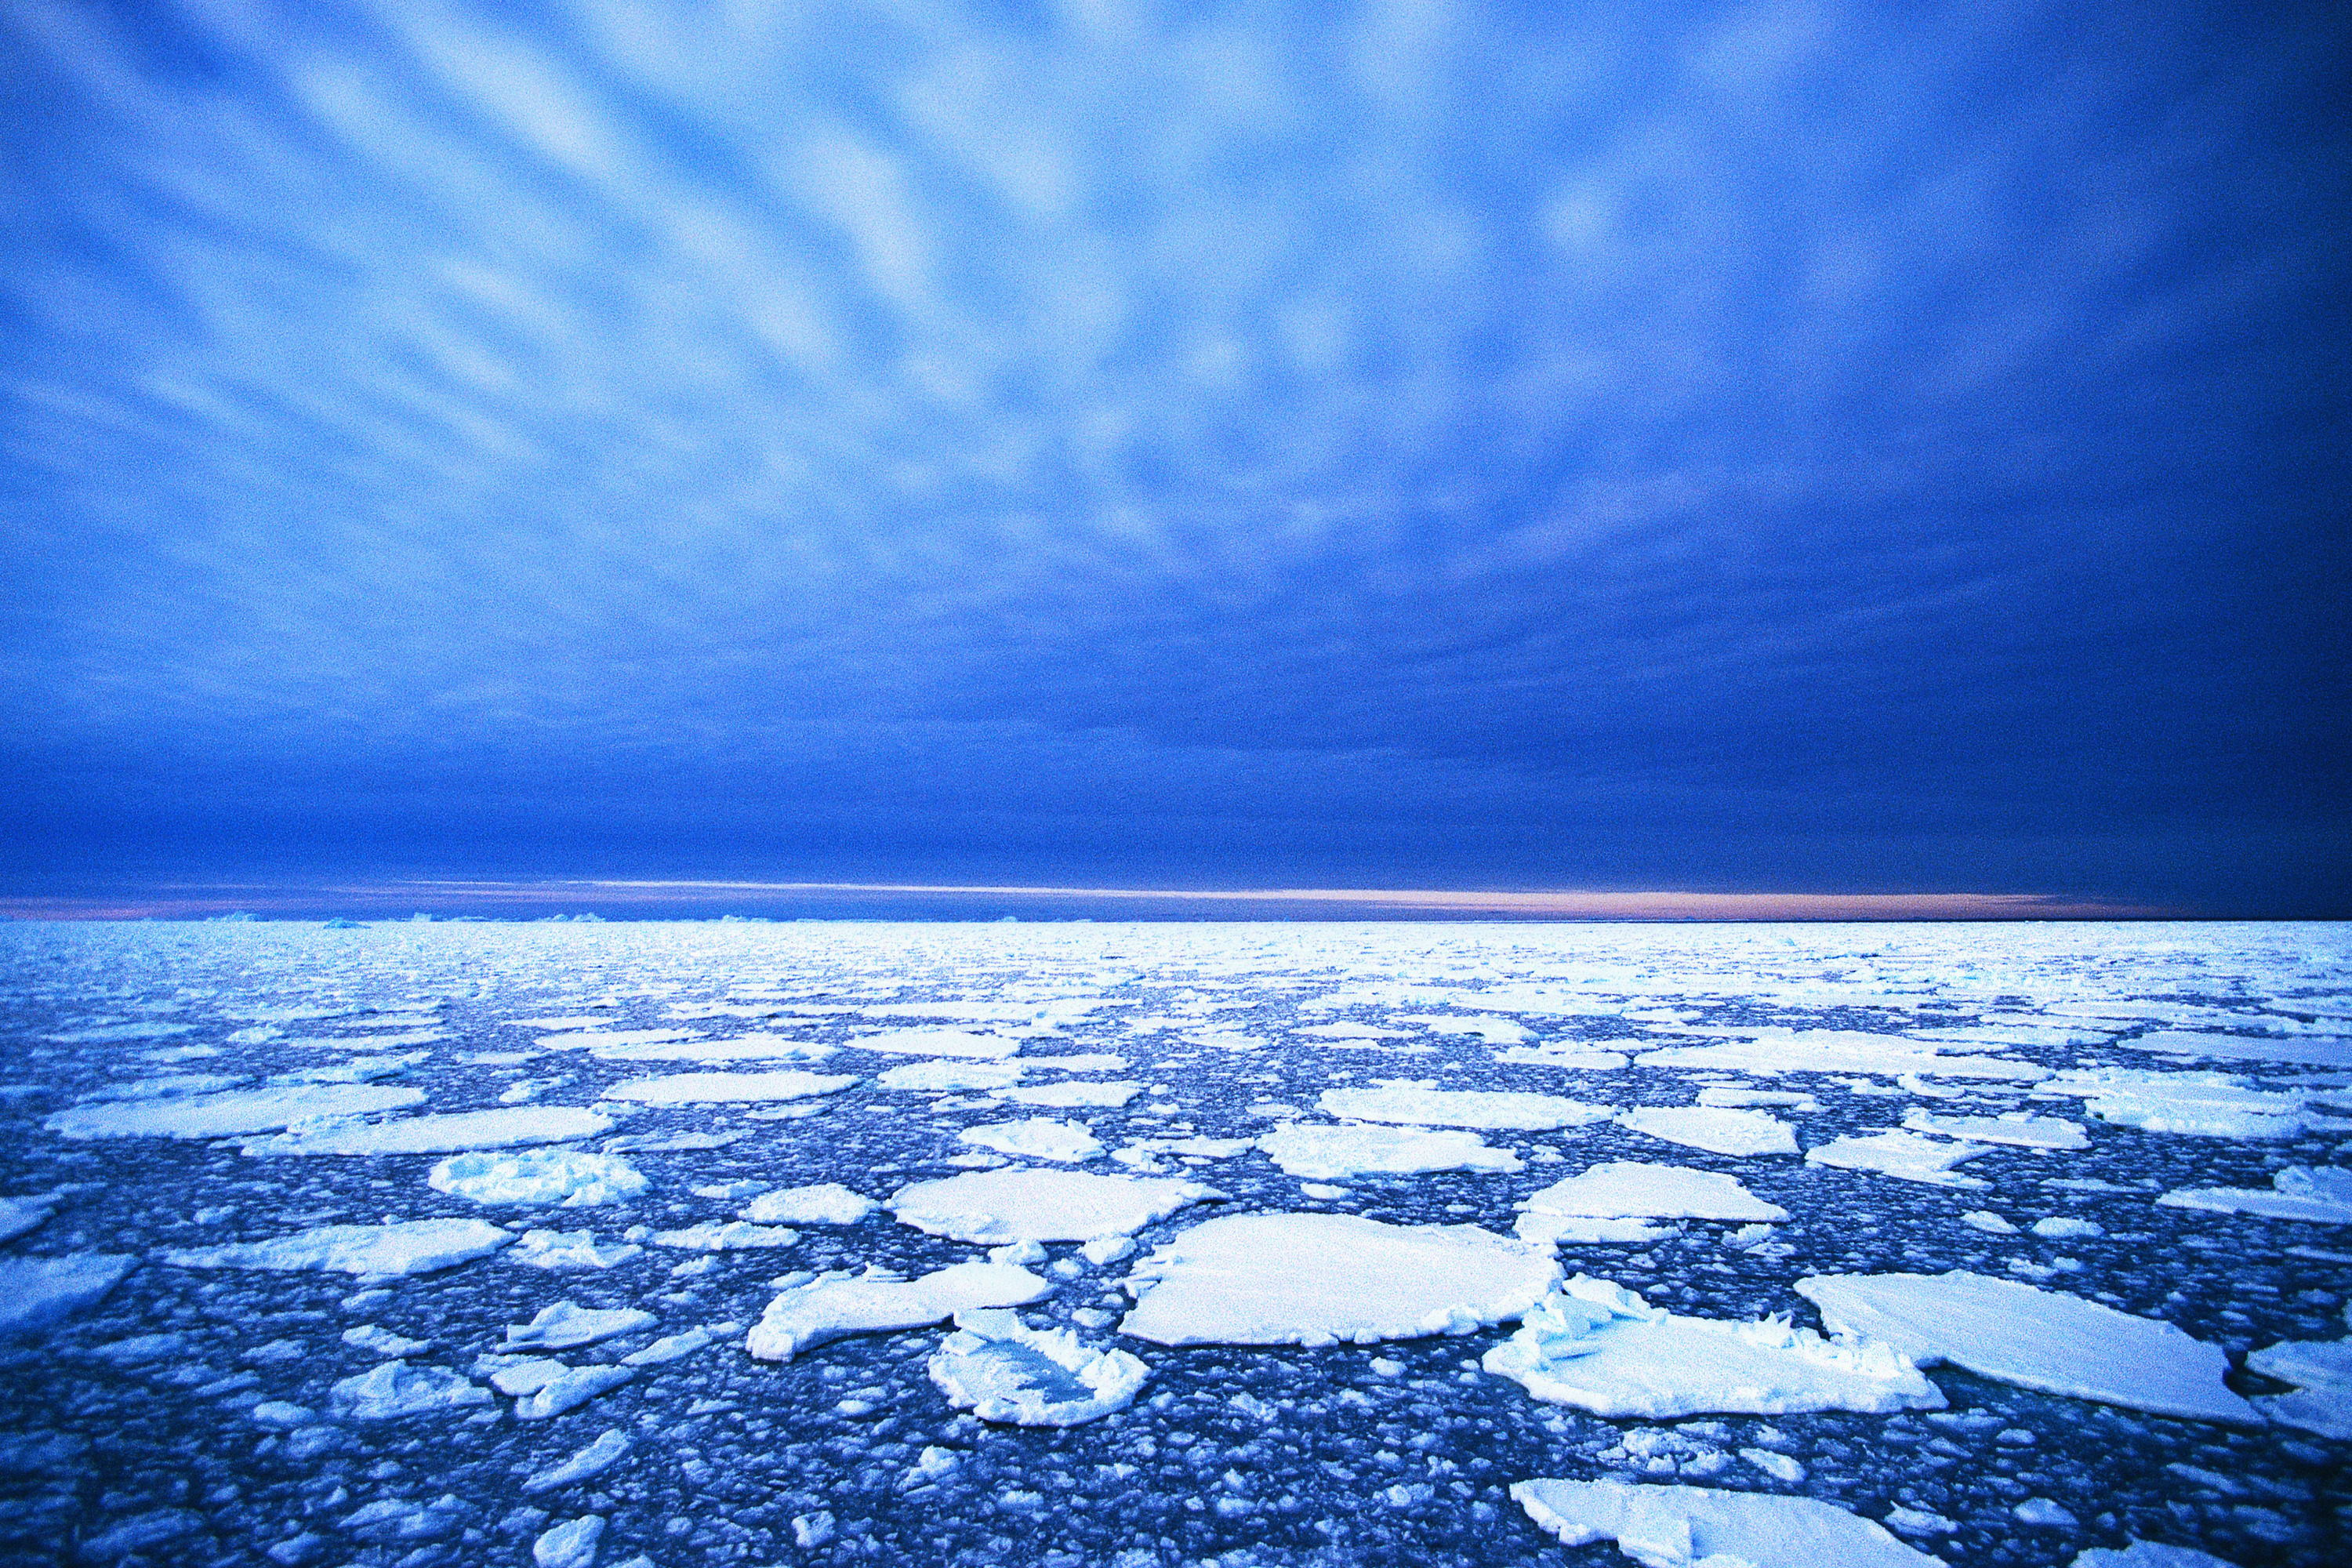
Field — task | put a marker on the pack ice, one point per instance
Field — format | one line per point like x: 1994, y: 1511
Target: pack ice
x: 229, y: 1115
x: 1686, y: 1527
x: 564, y: 1176
x: 1581, y: 1207
x: 1330, y: 1153
x: 399, y: 1247
x: 439, y: 1134
x: 1489, y: 1110
x: 1317, y: 1278
x: 2322, y: 1195
x: 993, y: 1207
x: 727, y: 1088
x: 827, y: 1309
x: 1715, y: 1128
x: 1001, y: 1370
x: 35, y: 1293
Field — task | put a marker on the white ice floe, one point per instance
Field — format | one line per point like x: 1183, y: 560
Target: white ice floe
x: 594, y: 1460
x: 2147, y: 1555
x: 19, y: 1216
x: 2066, y: 1228
x: 2204, y: 1104
x: 567, y: 1249
x: 1840, y: 1051
x: 572, y: 1544
x: 1074, y: 1093
x: 1626, y: 1188
x: 570, y: 1389
x: 228, y: 1115
x: 1795, y: 1102
x: 35, y: 1293
x: 2322, y: 1195
x: 1002, y: 1370
x: 503, y: 1129
x: 993, y: 1207
x: 2321, y: 1371
x: 1988, y: 1222
x: 826, y: 1309
x: 1334, y: 1153
x: 397, y: 1246
x: 378, y: 1340
x: 575, y: 1039
x: 1568, y: 1059
x: 827, y: 1203
x: 563, y: 1325
x: 1317, y: 1278
x: 2016, y: 1129
x: 1903, y: 1154
x: 951, y: 1075
x: 1493, y: 1031
x: 1352, y: 1032
x: 724, y: 1235
x: 1600, y: 1347
x: 741, y: 1049
x: 937, y: 1043
x: 1684, y: 1527
x: 395, y: 1389
x: 1718, y: 1130
x: 564, y: 1176
x: 1423, y: 1105
x: 1037, y: 1140
x: 2009, y: 1330
x: 729, y: 1088
x: 1076, y: 1061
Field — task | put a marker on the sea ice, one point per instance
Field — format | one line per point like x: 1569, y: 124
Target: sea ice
x: 228, y: 1115
x: 741, y: 1049
x: 1568, y: 1059
x: 394, y: 1388
x: 1426, y: 1107
x: 1903, y: 1154
x: 1334, y: 1153
x: 1840, y: 1051
x: 1795, y: 1102
x: 570, y: 1389
x: 501, y: 1129
x: 937, y: 1043
x: 2205, y: 1104
x: 1317, y: 1278
x: 826, y: 1309
x: 563, y: 1326
x: 828, y: 1203
x: 1074, y: 1093
x: 1716, y: 1129
x: 2036, y: 1339
x: 2021, y: 1130
x: 35, y: 1293
x: 592, y: 1460
x: 2147, y: 1555
x: 1029, y: 1205
x: 1001, y: 1370
x: 1038, y: 1139
x: 1684, y: 1527
x: 1628, y: 1189
x: 19, y: 1216
x: 951, y: 1075
x: 1602, y: 1348
x: 380, y: 1341
x: 724, y: 1235
x: 2322, y: 1195
x: 564, y: 1249
x: 572, y: 1544
x: 564, y: 1176
x: 729, y: 1088
x: 397, y: 1246
x: 2321, y: 1371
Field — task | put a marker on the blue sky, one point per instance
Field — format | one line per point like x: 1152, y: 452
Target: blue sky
x: 1765, y: 448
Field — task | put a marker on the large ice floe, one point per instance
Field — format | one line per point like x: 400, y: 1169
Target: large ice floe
x: 229, y: 1115
x: 399, y: 1247
x: 1002, y: 1370
x: 2013, y: 1128
x: 2321, y: 1195
x: 35, y: 1293
x: 1035, y: 1140
x: 1318, y: 1154
x: 566, y: 1325
x: 503, y: 1129
x: 1608, y: 1203
x: 830, y: 1307
x: 740, y: 1049
x: 1775, y: 1050
x: 1424, y: 1106
x: 20, y: 1214
x: 1600, y: 1347
x: 827, y: 1203
x: 394, y: 1389
x: 994, y: 1207
x: 2036, y: 1339
x: 2202, y: 1104
x: 1073, y: 1092
x: 937, y: 1043
x: 1318, y: 1278
x: 1718, y: 1129
x: 1699, y: 1527
x: 950, y: 1076
x: 729, y: 1088
x: 1903, y: 1154
x: 2321, y: 1372
x: 564, y: 1176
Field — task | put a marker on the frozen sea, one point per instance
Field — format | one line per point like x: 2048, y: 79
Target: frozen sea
x: 567, y: 1243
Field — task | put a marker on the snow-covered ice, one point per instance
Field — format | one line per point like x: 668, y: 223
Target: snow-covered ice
x: 1632, y: 1188
x: 20, y: 1214
x: 1001, y: 1370
x: 2205, y: 1105
x: 826, y: 1202
x: 1716, y: 1129
x: 2322, y: 1196
x: 1334, y: 1153
x: 394, y: 1389
x: 1035, y: 1140
x: 564, y: 1325
x: 507, y: 1128
x: 825, y: 1309
x: 1903, y: 1154
x: 562, y: 1176
x: 398, y: 1246
x: 993, y: 1207
x: 35, y: 1293
x: 1072, y: 1092
x: 730, y: 1088
x: 1699, y: 1527
x: 227, y: 1115
x: 951, y: 1075
x: 565, y: 1249
x: 1424, y: 1106
x: 2014, y: 1128
x: 936, y: 1043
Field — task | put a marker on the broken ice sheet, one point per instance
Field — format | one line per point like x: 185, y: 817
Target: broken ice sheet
x: 228, y: 1115
x: 452, y: 1134
x: 1602, y: 1348
x: 20, y: 1214
x: 1038, y: 1139
x: 1903, y: 1154
x: 1684, y: 1527
x: 564, y: 1325
x: 35, y: 1293
x: 399, y: 1247
x: 2322, y: 1196
x: 1424, y: 1106
x: 2321, y: 1371
x: 1715, y: 1128
x: 819, y: 1310
x: 2017, y: 1128
x: 564, y: 1176
x: 1334, y: 1153
x: 998, y: 1207
x: 1001, y: 1370
x: 566, y: 1249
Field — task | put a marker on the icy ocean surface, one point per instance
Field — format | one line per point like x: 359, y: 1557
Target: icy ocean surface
x: 1119, y: 1246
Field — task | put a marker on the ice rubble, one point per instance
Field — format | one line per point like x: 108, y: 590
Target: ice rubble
x: 1715, y: 1128
x: 20, y: 1214
x: 452, y: 1134
x: 2013, y: 1128
x: 2322, y: 1195
x: 1840, y: 1051
x: 1037, y: 1140
x: 828, y: 1308
x: 937, y: 1043
x: 1002, y: 1370
x: 729, y: 1088
x: 35, y: 1293
x: 397, y: 1246
x: 2321, y: 1371
x: 1686, y: 1527
x: 1903, y: 1154
x: 1423, y: 1105
x: 1317, y: 1279
x: 827, y: 1203
x: 1602, y: 1348
x: 394, y: 1388
x: 564, y: 1325
x: 564, y: 1176
x: 2036, y: 1339
x: 1334, y: 1153
x: 2206, y: 1104
x: 1074, y: 1093
x: 228, y: 1115
x: 564, y: 1249
x: 998, y: 1207
x: 947, y: 1077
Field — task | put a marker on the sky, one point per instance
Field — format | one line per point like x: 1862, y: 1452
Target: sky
x: 1773, y: 448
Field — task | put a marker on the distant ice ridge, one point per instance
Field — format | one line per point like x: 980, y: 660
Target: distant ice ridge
x: 1334, y: 1153
x: 725, y: 1088
x: 400, y: 1247
x: 828, y: 1308
x: 1688, y: 1526
x: 2322, y: 1195
x: 1715, y: 1128
x: 1318, y: 1278
x: 1425, y: 1106
x: 35, y: 1293
x: 562, y: 1176
x: 2036, y: 1339
x: 1002, y: 1371
x: 447, y: 1134
x: 228, y: 1115
x: 993, y: 1207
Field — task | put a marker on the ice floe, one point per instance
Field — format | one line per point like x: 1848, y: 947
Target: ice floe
x: 951, y: 1075
x: 1600, y: 1347
x: 729, y: 1088
x: 395, y: 1389
x: 564, y: 1325
x: 740, y: 1049
x: 1037, y: 1139
x: 937, y: 1043
x: 724, y: 1235
x: 1425, y: 1106
x: 609, y: 1449
x: 1334, y: 1153
x: 826, y: 1309
x: 2014, y: 1128
x: 1840, y: 1051
x: 1626, y: 1188
x: 1001, y: 1370
x: 506, y: 1128
x: 993, y: 1207
x: 1317, y: 1278
x: 570, y: 1389
x: 1074, y: 1093
x: 2321, y: 1195
x: 2321, y: 1371
x: 1795, y: 1102
x: 20, y: 1214
x: 2036, y: 1339
x: 1718, y: 1130
x: 567, y: 1249
x: 564, y: 1176
x: 35, y: 1293
x: 2208, y: 1104
x: 229, y: 1115
x: 397, y: 1246
x: 1903, y: 1154
x: 827, y: 1203
x: 1568, y: 1059
x: 1687, y: 1527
